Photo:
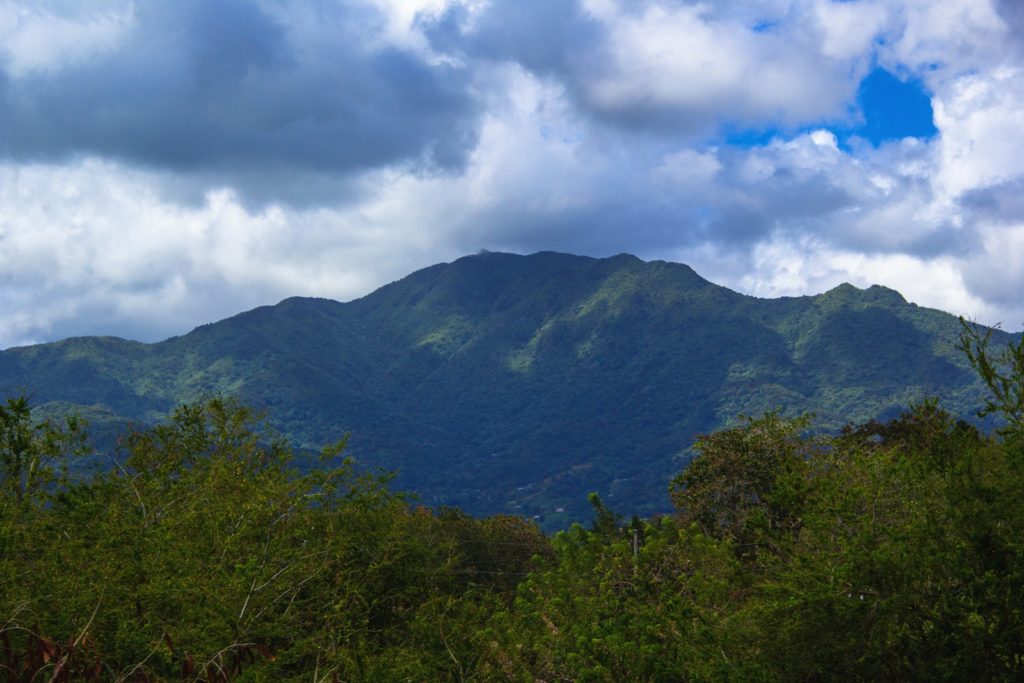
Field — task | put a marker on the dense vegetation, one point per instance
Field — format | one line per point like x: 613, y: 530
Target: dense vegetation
x: 502, y: 383
x: 892, y: 551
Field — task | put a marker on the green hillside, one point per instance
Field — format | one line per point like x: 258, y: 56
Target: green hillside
x: 504, y: 383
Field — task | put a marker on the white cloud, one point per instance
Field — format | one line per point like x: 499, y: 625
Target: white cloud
x: 981, y: 118
x: 403, y: 16
x: 700, y: 68
x: 792, y: 268
x: 996, y: 273
x: 688, y: 170
x: 36, y: 38
x: 850, y: 28
x: 93, y: 246
x: 937, y: 38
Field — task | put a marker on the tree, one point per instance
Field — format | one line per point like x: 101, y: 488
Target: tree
x: 1002, y: 372
x: 34, y: 454
x: 190, y: 553
x: 747, y: 484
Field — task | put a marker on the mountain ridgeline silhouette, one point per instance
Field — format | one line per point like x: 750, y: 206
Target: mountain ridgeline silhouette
x: 516, y: 383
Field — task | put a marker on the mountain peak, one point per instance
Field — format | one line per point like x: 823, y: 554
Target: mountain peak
x: 875, y: 294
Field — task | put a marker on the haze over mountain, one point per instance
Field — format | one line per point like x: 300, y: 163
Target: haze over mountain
x: 519, y: 383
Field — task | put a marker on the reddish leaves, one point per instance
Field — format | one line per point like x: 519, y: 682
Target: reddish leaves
x: 40, y: 658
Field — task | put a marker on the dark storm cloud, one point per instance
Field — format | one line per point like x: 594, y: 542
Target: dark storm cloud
x: 225, y: 87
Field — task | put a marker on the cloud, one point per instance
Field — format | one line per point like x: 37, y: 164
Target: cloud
x: 849, y: 29
x: 34, y: 40
x: 540, y: 178
x: 232, y: 92
x: 943, y: 38
x: 674, y: 66
x: 981, y: 117
x: 93, y: 248
x: 1012, y: 12
x: 996, y: 273
x: 546, y: 37
x: 999, y: 203
x: 168, y: 164
x: 683, y: 67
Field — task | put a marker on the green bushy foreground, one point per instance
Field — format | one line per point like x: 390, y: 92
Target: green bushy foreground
x: 893, y: 551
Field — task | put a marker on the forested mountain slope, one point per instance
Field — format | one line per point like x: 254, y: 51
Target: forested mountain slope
x: 517, y: 383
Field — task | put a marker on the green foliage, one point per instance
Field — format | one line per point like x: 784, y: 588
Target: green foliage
x: 203, y: 554
x: 599, y: 614
x: 887, y: 580
x: 33, y: 455
x: 748, y: 483
x: 892, y: 552
x: 1002, y: 372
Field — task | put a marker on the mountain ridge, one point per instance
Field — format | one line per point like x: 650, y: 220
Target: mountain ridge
x: 501, y: 382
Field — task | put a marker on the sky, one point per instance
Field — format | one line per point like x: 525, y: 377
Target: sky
x: 166, y: 163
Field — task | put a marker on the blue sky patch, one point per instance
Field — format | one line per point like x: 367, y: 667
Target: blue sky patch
x: 748, y: 137
x: 892, y: 109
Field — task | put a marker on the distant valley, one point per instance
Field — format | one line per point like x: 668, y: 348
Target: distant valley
x: 505, y: 383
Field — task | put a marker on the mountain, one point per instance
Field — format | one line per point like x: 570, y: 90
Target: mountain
x: 518, y: 383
